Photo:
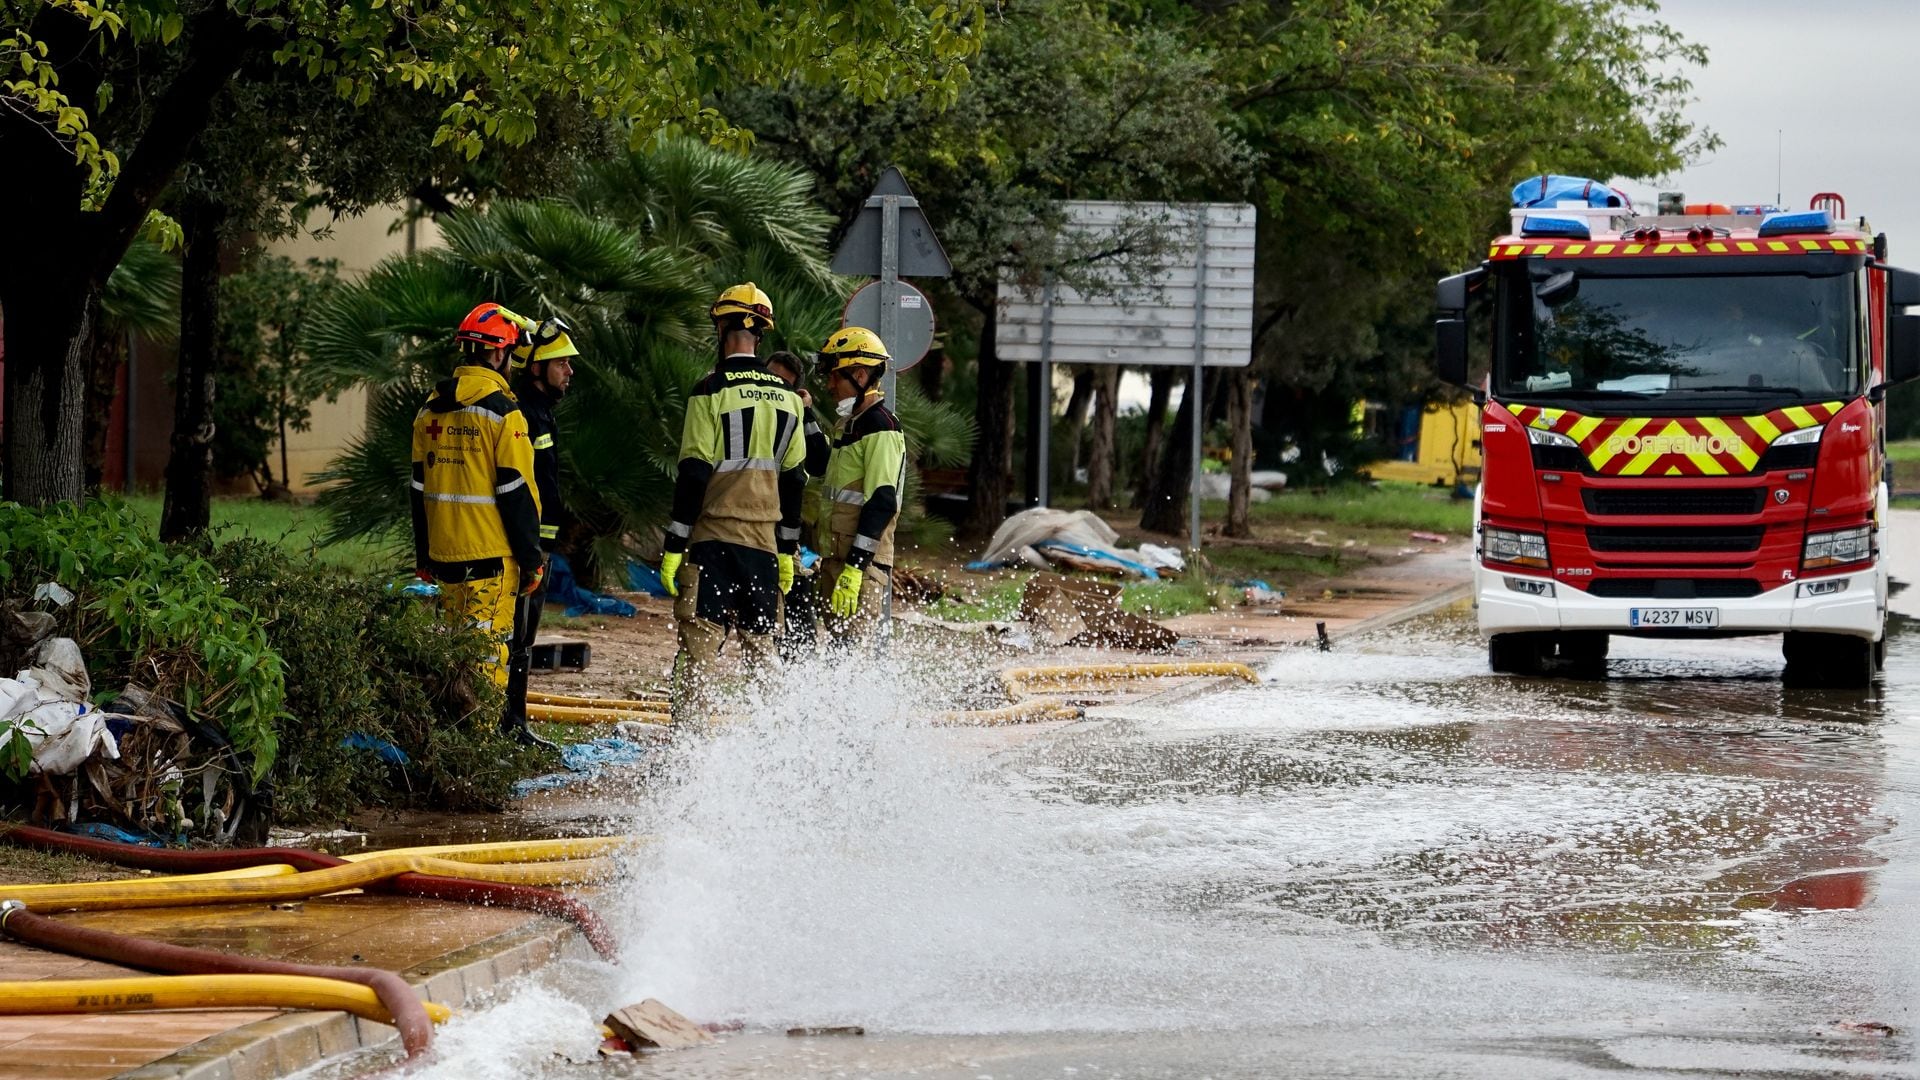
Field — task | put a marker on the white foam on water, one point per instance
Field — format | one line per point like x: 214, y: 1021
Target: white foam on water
x: 518, y: 1037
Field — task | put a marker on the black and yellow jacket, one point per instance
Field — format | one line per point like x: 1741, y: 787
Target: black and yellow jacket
x: 473, y: 502
x: 861, y: 497
x: 742, y: 476
x: 541, y: 428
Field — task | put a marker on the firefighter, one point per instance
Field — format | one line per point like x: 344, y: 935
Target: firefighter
x: 861, y: 501
x: 736, y: 502
x: 799, y: 611
x: 476, y: 515
x: 546, y: 365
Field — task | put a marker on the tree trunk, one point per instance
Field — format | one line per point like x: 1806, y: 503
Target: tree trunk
x: 1076, y: 415
x: 55, y: 295
x: 1240, y: 420
x: 49, y: 342
x: 188, y: 507
x: 1106, y: 408
x: 105, y: 357
x: 1165, y: 510
x: 1160, y: 391
x: 988, y: 473
x: 932, y: 373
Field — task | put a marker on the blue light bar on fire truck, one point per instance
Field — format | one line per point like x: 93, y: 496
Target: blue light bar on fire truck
x: 1800, y: 221
x: 1568, y: 228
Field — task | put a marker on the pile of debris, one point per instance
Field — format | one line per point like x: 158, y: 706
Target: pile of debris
x: 140, y: 769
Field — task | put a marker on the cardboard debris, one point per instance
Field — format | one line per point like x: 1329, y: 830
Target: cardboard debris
x: 1065, y: 611
x: 651, y: 1024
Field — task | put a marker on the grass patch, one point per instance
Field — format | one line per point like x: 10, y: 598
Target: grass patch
x: 1904, y: 451
x: 995, y: 601
x: 1388, y: 505
x: 291, y: 526
x: 1238, y: 562
x: 1169, y: 599
x: 26, y: 866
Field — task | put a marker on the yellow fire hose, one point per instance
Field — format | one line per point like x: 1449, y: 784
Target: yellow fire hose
x: 197, y: 992
x: 512, y: 851
x: 1025, y: 712
x: 535, y: 697
x: 1060, y: 678
x: 215, y: 889
x: 574, y: 714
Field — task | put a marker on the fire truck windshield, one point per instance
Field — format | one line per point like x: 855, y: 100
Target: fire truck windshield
x: 1568, y: 333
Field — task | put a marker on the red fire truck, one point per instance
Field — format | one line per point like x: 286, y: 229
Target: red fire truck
x: 1682, y: 425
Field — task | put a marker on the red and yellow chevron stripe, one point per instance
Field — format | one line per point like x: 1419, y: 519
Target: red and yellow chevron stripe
x: 1674, y: 446
x: 1513, y: 249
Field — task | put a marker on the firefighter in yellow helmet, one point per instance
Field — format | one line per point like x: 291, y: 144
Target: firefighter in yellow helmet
x: 545, y: 363
x: 736, y: 502
x: 476, y: 515
x: 865, y: 473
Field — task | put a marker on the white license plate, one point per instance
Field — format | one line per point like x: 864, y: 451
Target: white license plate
x: 1678, y: 618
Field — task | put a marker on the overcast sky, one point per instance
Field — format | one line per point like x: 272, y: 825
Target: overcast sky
x: 1839, y: 80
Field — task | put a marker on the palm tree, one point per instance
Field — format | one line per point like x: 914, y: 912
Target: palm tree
x: 631, y: 261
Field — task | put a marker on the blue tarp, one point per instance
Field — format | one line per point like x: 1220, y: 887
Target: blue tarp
x: 1549, y: 191
x: 562, y: 589
x: 584, y: 760
x: 388, y: 752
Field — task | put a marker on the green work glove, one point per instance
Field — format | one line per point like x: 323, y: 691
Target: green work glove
x: 670, y: 571
x: 846, y: 592
x: 786, y: 573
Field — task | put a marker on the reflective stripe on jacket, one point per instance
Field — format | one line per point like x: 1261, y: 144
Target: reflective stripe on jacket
x: 742, y: 474
x: 541, y: 428
x: 861, y: 496
x: 471, y: 492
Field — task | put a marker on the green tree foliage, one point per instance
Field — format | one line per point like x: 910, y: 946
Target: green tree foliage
x: 265, y: 383
x: 1068, y: 101
x: 488, y: 69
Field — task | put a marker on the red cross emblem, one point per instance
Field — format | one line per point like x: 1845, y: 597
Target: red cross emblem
x: 434, y: 429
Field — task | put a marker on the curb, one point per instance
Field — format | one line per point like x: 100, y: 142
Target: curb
x: 281, y: 1045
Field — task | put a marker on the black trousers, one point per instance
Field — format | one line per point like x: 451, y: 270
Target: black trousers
x: 739, y: 586
x: 526, y: 626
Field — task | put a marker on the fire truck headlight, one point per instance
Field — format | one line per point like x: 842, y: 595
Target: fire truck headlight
x: 1513, y: 547
x: 1838, y: 548
x: 1801, y: 437
x: 1548, y: 438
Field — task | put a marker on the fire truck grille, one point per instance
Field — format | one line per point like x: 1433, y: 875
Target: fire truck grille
x: 1689, y: 502
x: 1689, y: 538
x: 1675, y: 588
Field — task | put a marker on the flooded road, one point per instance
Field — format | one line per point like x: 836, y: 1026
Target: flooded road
x: 1382, y: 861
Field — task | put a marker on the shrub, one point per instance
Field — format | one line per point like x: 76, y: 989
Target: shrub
x: 361, y: 658
x: 150, y: 611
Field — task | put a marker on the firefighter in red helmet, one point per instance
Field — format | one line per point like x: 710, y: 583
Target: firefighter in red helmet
x: 476, y: 512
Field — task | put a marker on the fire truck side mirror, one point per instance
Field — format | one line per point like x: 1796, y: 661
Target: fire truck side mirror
x: 1903, y: 349
x: 1450, y: 350
x: 1903, y: 288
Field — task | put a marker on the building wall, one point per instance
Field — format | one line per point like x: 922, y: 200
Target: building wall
x: 358, y: 243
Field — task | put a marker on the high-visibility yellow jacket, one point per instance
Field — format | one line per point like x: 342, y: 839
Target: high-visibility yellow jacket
x: 743, y: 474
x: 473, y: 500
x: 860, y: 501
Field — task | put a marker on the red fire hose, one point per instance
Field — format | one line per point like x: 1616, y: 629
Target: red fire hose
x: 532, y: 898
x: 409, y: 1014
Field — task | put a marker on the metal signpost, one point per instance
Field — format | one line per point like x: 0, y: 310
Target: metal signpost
x: 1197, y: 312
x: 891, y: 238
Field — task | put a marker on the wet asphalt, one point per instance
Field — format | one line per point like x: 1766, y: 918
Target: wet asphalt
x: 1384, y: 861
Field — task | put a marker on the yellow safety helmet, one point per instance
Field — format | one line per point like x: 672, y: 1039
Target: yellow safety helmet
x: 551, y: 341
x: 745, y: 299
x: 853, y: 346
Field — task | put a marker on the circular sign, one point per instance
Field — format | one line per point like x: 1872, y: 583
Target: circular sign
x: 912, y: 330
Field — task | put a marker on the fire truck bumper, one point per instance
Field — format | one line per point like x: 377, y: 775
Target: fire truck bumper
x: 1510, y: 603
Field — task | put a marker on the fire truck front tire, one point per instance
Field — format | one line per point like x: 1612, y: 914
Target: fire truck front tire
x: 1829, y: 661
x: 1519, y: 654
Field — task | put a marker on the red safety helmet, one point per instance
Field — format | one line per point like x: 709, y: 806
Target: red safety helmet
x: 491, y: 326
